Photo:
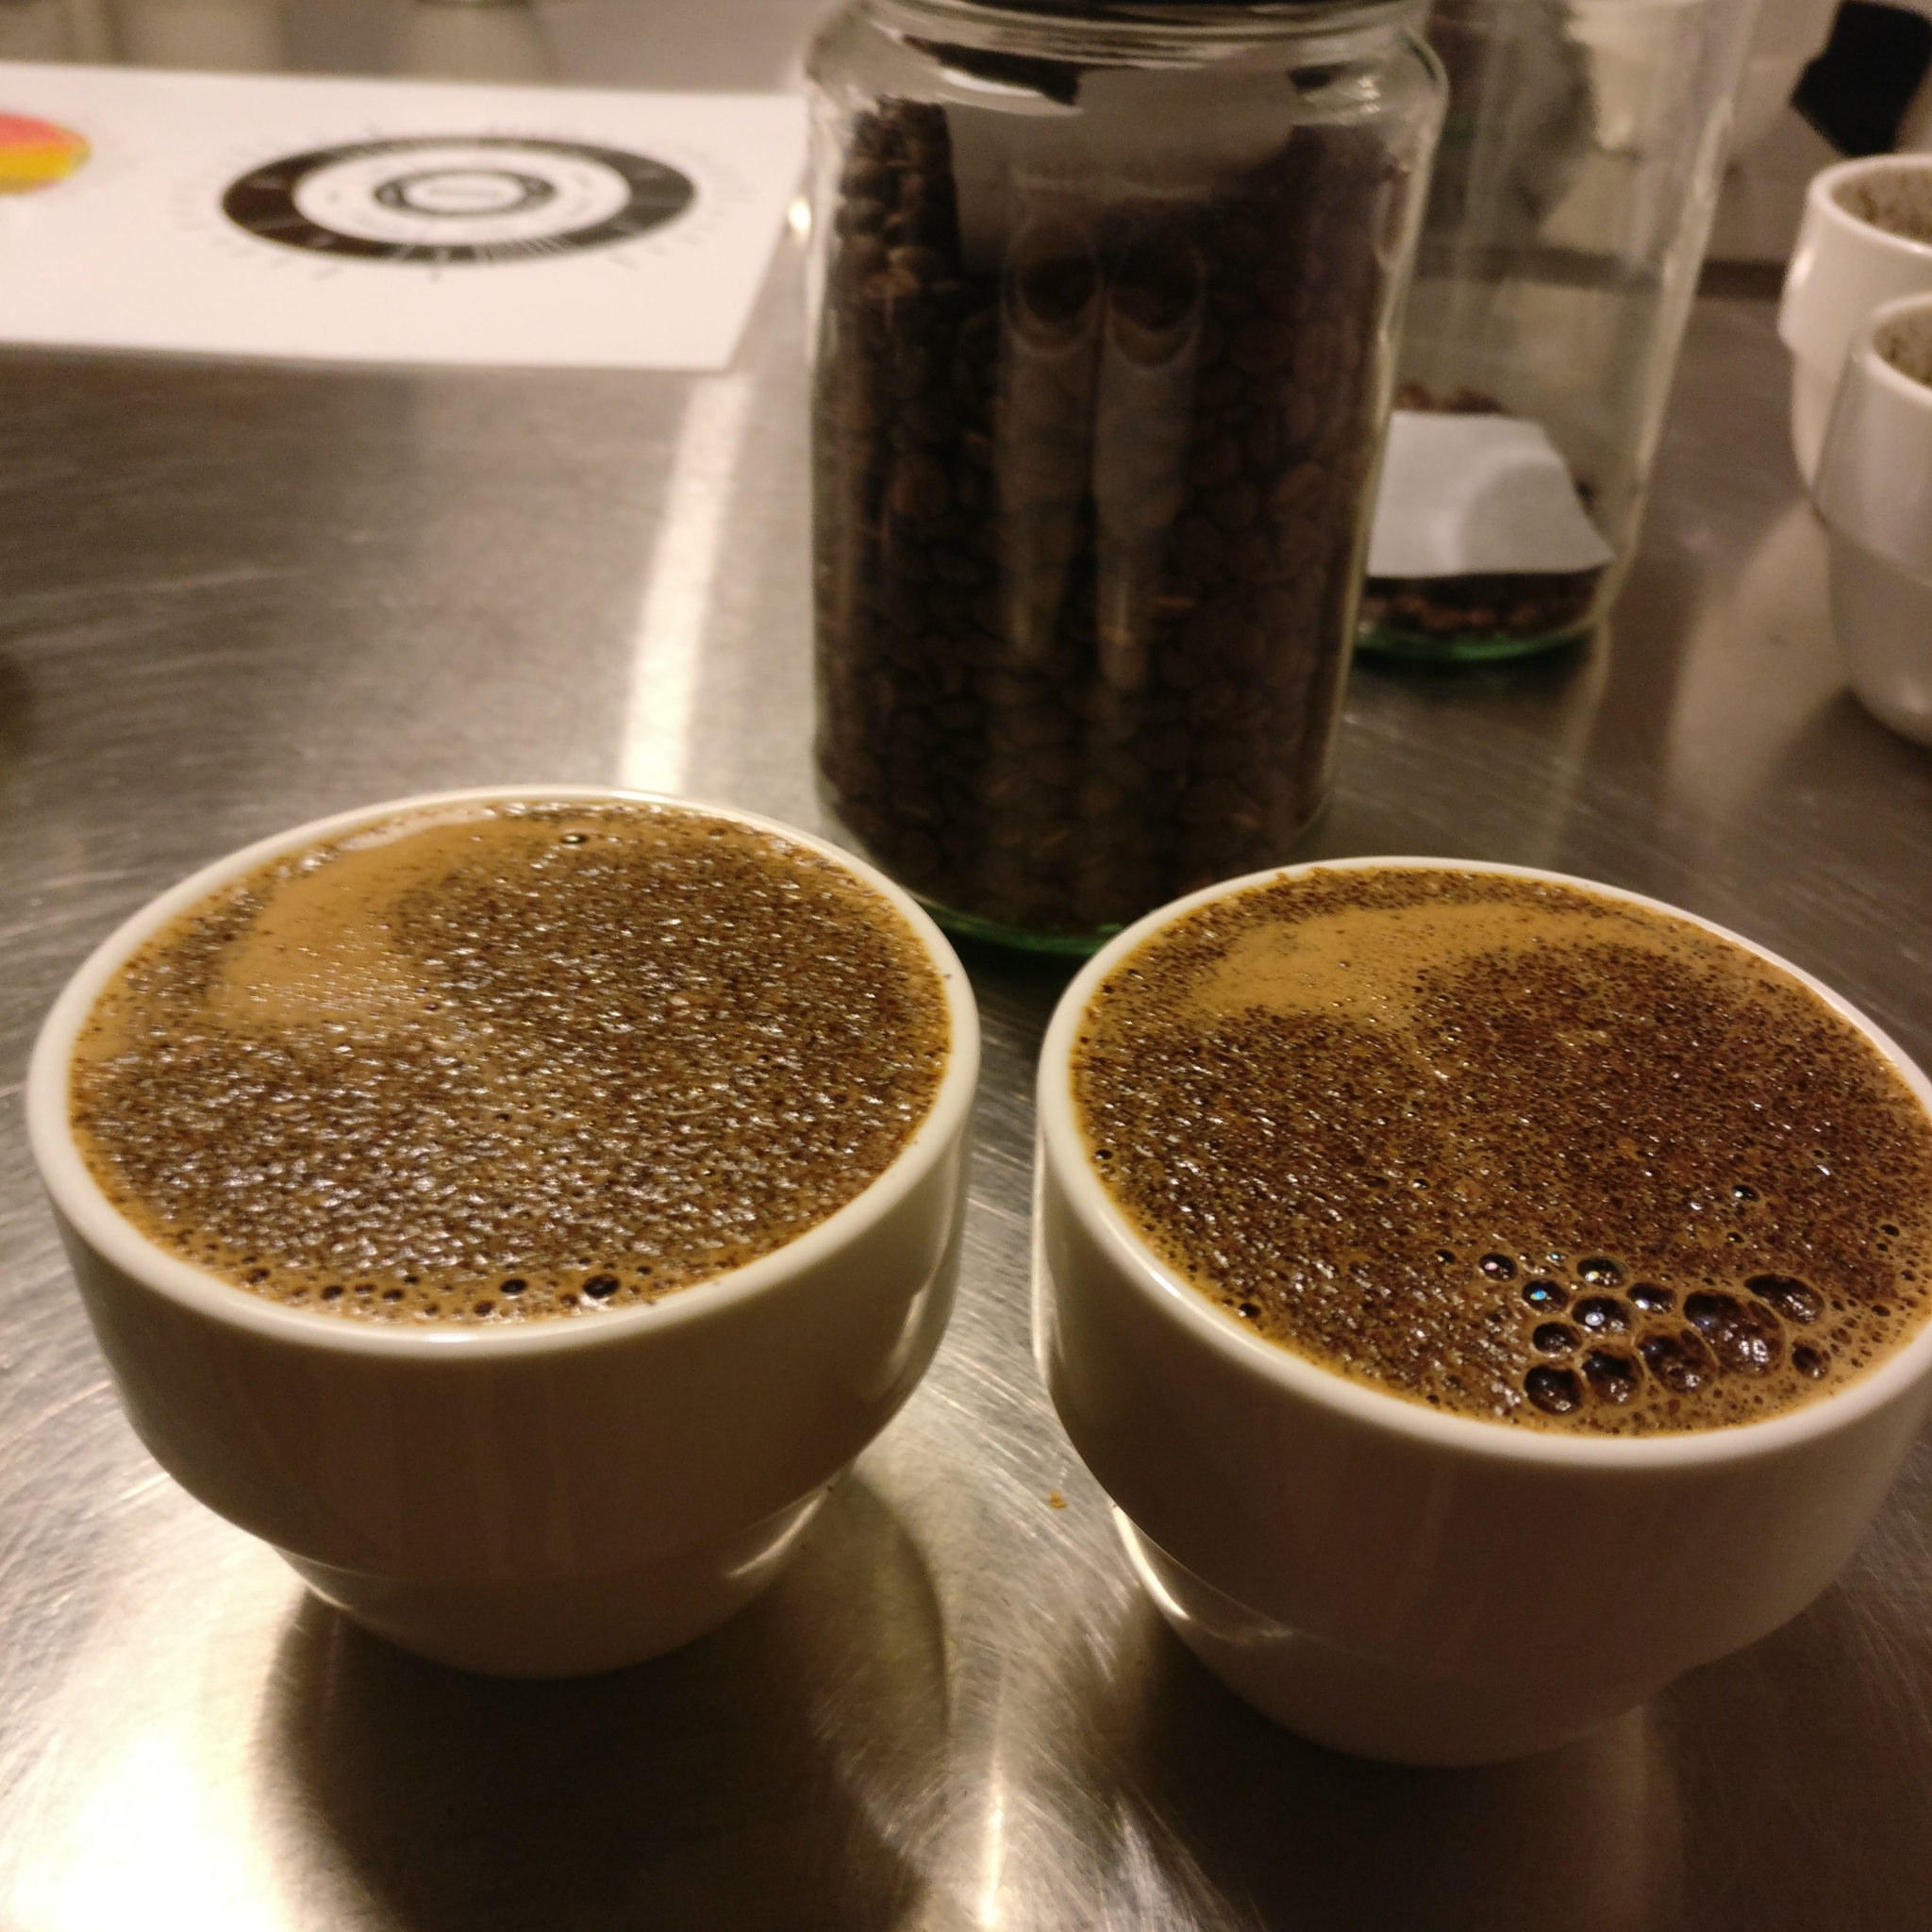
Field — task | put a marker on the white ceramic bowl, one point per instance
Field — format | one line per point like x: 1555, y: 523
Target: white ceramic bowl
x: 1874, y: 493
x: 1395, y: 1582
x: 1842, y: 268
x: 545, y: 1498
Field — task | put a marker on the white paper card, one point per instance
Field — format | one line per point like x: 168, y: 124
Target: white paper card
x: 369, y: 221
x: 1472, y: 496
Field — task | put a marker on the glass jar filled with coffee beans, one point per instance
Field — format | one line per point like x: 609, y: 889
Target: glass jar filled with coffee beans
x: 1103, y: 296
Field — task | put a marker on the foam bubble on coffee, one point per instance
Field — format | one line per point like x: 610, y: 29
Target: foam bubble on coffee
x: 1511, y: 1149
x: 497, y: 1062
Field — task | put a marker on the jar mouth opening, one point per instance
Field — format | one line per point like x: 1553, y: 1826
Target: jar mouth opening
x: 1196, y: 20
x: 1244, y: 10
x: 1241, y: 10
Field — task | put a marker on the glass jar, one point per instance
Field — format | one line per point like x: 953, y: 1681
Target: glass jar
x: 1573, y: 195
x: 1103, y: 300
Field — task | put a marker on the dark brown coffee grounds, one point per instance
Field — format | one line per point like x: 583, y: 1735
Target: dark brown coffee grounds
x: 1512, y: 1150
x: 501, y: 1062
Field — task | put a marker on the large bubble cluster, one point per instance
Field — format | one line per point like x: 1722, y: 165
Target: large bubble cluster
x: 591, y: 1056
x: 1521, y: 1153
x: 1640, y: 1347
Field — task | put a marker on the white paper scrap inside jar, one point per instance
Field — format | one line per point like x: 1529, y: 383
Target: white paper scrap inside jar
x: 1136, y: 135
x: 1470, y: 495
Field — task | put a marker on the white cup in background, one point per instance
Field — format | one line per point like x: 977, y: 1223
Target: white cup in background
x: 1874, y: 493
x: 1844, y: 266
x: 1398, y: 1582
x: 548, y: 1497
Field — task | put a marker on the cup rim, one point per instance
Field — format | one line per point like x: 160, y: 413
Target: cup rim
x: 1283, y: 1372
x: 1911, y: 392
x: 1822, y: 195
x: 78, y: 1198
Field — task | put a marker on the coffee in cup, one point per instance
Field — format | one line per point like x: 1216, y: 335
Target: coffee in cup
x: 1511, y: 1149
x: 1484, y: 1295
x: 516, y: 1207
x: 1897, y: 199
x: 500, y: 1061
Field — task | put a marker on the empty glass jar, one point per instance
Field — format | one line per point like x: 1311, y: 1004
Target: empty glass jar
x: 1103, y: 300
x: 1573, y: 195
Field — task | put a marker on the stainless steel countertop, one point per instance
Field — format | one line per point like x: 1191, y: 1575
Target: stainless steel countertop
x: 235, y: 597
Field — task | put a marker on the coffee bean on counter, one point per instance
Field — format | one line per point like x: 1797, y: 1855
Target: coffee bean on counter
x: 1088, y: 522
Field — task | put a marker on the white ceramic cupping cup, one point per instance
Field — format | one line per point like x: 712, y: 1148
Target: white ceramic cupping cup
x: 1842, y: 268
x: 1396, y: 1582
x: 1874, y: 493
x: 541, y: 1499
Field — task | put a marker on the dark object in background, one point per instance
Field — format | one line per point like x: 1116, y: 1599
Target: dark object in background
x: 1857, y: 91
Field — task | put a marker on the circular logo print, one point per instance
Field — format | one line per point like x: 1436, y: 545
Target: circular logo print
x: 440, y: 199
x: 36, y: 154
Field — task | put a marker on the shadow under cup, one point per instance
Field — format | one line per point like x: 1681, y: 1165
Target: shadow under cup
x: 557, y: 1496
x: 1398, y: 1582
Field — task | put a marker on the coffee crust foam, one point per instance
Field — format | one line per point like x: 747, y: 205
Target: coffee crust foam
x: 1511, y: 1149
x: 495, y: 1062
x: 1899, y: 200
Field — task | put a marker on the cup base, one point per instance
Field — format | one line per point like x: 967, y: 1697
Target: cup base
x: 1350, y: 1703
x: 1882, y: 617
x: 568, y: 1627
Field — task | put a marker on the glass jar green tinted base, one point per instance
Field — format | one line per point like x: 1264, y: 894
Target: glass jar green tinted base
x: 967, y: 926
x: 1459, y: 647
x: 1065, y: 944
x: 1482, y: 620
x: 1467, y: 645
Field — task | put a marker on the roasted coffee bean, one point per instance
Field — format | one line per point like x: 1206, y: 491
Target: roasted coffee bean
x: 1509, y: 608
x: 1096, y: 507
x: 860, y: 216
x: 1743, y: 1335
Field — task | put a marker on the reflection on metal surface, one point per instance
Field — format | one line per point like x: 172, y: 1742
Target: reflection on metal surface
x: 1750, y: 681
x: 993, y: 1857
x: 153, y: 1826
x: 1397, y: 795
x: 685, y: 560
x: 559, y: 1803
